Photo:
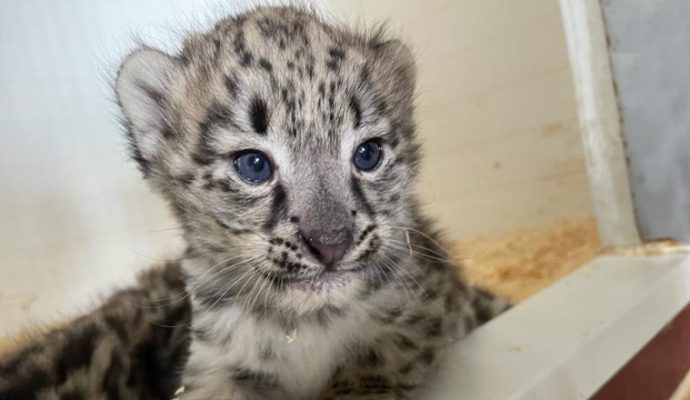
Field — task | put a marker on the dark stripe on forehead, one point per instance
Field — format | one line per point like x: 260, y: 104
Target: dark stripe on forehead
x: 258, y: 115
x: 359, y: 195
x: 356, y: 111
x: 218, y: 115
x: 278, y: 208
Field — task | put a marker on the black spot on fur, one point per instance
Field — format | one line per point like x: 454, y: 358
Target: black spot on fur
x: 335, y: 57
x: 371, y: 358
x: 482, y: 304
x: 246, y: 59
x: 211, y: 296
x: 142, y: 163
x: 413, y: 319
x: 356, y: 111
x: 217, y: 47
x: 232, y: 86
x: 77, y: 352
x: 114, y: 322
x: 359, y: 195
x: 278, y: 208
x: 427, y: 356
x: 152, y: 93
x: 257, y: 380
x: 112, y: 377
x: 26, y: 386
x: 405, y: 343
x: 224, y: 225
x: 185, y: 179
x: 265, y: 65
x: 435, y: 328
x: 365, y: 233
x: 258, y: 114
x: 405, y: 369
x: 429, y: 295
x: 202, y: 335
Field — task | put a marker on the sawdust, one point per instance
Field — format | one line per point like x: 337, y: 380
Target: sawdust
x: 519, y: 263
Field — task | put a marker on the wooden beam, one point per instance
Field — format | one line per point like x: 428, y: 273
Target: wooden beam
x: 600, y: 122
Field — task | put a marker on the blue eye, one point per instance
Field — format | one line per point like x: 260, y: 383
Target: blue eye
x: 367, y: 156
x: 253, y: 166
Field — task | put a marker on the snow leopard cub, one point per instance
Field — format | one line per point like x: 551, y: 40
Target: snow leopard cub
x: 287, y: 148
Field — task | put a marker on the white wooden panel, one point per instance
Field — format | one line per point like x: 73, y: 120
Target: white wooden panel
x: 614, y: 306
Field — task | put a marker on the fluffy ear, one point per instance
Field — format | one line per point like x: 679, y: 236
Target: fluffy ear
x: 143, y: 87
x: 396, y: 66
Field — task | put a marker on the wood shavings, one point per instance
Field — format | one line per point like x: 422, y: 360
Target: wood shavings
x: 519, y: 263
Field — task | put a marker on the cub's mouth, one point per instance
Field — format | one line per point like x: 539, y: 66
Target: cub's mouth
x: 325, y: 281
x: 322, y: 281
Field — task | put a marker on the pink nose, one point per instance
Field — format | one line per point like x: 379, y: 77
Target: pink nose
x: 328, y: 247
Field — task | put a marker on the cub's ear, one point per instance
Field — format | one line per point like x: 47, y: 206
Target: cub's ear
x: 395, y: 66
x: 144, y: 91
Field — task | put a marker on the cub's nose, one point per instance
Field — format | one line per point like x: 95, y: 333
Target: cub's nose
x: 328, y: 246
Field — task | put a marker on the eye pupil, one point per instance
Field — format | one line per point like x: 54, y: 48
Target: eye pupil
x: 253, y: 166
x: 367, y: 156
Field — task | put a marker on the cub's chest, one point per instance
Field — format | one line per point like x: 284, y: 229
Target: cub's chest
x: 295, y: 359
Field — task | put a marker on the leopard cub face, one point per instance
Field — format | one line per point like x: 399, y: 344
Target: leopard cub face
x: 286, y: 148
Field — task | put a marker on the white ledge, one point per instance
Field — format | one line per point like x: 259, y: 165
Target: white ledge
x: 569, y: 339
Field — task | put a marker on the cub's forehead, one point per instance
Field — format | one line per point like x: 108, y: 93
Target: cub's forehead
x: 282, y: 71
x: 273, y: 34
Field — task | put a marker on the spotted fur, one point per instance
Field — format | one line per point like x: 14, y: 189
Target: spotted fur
x: 269, y: 320
x: 132, y: 347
